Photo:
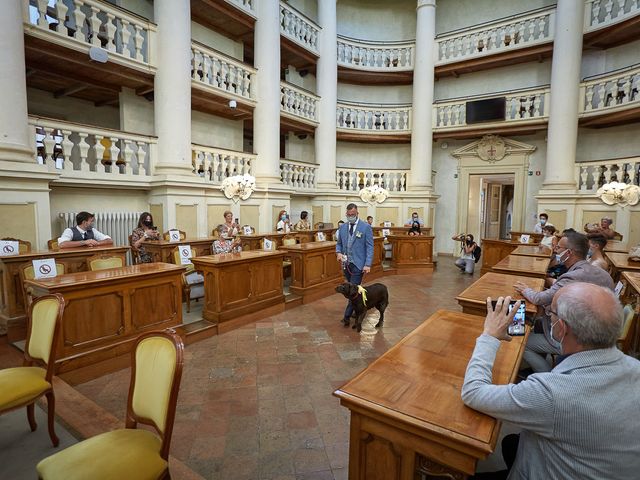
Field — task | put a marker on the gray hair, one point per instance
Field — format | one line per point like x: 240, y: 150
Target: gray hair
x: 607, y: 219
x: 594, y: 323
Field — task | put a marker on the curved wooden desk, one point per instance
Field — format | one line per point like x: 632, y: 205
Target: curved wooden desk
x: 525, y: 266
x: 532, y: 251
x: 412, y: 253
x: 493, y: 251
x: 161, y: 250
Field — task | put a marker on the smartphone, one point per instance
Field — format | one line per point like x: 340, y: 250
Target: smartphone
x: 517, y: 326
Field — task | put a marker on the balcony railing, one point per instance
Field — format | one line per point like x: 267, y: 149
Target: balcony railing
x: 512, y: 33
x: 246, y: 5
x: 216, y: 164
x: 298, y: 28
x: 298, y: 175
x: 521, y: 105
x: 615, y: 90
x: 602, y: 13
x: 354, y: 179
x: 94, y: 23
x: 374, y: 119
x: 221, y: 72
x: 81, y: 151
x: 592, y: 175
x: 375, y: 56
x: 298, y: 103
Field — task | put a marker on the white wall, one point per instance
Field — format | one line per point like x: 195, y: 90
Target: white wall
x: 215, y: 131
x: 596, y: 62
x: 363, y: 155
x: 370, y: 20
x: 217, y: 41
x: 299, y: 149
x: 308, y: 7
x: 605, y: 143
x: 308, y: 82
x: 144, y: 8
x: 375, y: 94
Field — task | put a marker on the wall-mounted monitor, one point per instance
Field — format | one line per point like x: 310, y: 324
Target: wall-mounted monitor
x: 487, y: 110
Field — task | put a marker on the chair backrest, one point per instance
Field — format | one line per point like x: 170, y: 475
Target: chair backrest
x: 215, y: 233
x: 26, y: 272
x: 289, y: 240
x: 156, y: 371
x: 135, y: 254
x: 104, y: 261
x: 617, y: 236
x: 630, y: 317
x: 23, y: 245
x: 45, y: 317
x: 52, y: 244
x: 175, y: 255
x: 165, y: 235
x: 386, y: 221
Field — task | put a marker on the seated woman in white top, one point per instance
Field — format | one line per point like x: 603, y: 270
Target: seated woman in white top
x: 549, y: 240
x: 283, y: 225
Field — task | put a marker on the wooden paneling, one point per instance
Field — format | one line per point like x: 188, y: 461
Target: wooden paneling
x: 187, y: 219
x: 521, y: 265
x: 161, y: 250
x: 336, y: 214
x: 215, y: 216
x: 532, y: 251
x: 250, y: 215
x: 557, y: 218
x: 317, y: 214
x: 493, y: 251
x: 412, y: 253
x: 157, y: 212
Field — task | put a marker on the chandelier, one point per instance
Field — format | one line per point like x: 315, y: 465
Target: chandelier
x: 373, y: 194
x: 238, y: 187
x: 619, y: 193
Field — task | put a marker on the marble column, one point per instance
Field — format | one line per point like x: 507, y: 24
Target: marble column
x: 565, y: 88
x: 423, y: 78
x: 172, y: 95
x: 327, y: 89
x: 266, y: 115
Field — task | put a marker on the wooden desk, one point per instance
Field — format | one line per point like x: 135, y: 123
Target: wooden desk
x: 242, y: 287
x: 161, y: 250
x: 525, y: 266
x: 401, y: 230
x: 616, y: 246
x: 254, y: 241
x: 411, y: 253
x: 304, y: 236
x: 106, y: 310
x: 493, y: 251
x: 532, y: 251
x: 533, y: 237
x: 473, y: 300
x: 620, y: 263
x: 12, y: 310
x: 407, y: 416
x: 631, y: 296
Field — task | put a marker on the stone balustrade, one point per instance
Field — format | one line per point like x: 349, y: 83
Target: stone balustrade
x: 298, y: 28
x: 216, y: 164
x: 221, y: 72
x: 602, y: 13
x: 613, y: 90
x: 375, y: 56
x: 374, y: 119
x: 246, y: 5
x: 82, y: 151
x: 298, y: 103
x: 354, y: 179
x: 511, y: 33
x: 298, y: 175
x: 592, y: 175
x: 102, y: 25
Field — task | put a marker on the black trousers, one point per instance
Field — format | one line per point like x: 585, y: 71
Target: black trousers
x: 509, y: 450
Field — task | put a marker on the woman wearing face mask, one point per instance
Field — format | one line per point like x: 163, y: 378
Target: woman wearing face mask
x: 145, y: 231
x: 283, y: 224
x: 549, y: 240
x: 466, y: 262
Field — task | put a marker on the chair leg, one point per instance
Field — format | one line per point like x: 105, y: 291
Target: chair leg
x: 31, y: 417
x: 51, y: 414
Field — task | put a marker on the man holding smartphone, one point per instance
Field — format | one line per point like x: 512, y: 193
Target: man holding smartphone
x: 579, y: 420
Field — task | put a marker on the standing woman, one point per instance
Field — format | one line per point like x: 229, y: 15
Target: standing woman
x: 145, y: 231
x: 229, y: 228
x: 283, y: 224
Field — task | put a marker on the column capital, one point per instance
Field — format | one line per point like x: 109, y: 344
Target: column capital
x: 426, y: 3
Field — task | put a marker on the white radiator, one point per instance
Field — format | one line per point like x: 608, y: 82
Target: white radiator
x: 118, y: 225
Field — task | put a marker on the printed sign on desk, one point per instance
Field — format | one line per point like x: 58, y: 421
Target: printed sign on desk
x: 386, y: 224
x: 174, y: 235
x: 385, y: 232
x: 44, y: 268
x: 618, y: 289
x: 268, y: 244
x: 524, y: 238
x: 247, y: 230
x: 321, y: 237
x: 8, y: 247
x: 185, y: 254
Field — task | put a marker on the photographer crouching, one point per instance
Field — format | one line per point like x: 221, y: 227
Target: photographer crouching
x: 467, y: 260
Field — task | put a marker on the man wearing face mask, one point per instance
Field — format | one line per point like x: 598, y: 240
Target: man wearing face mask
x: 414, y: 219
x: 83, y: 234
x: 577, y: 420
x: 544, y: 220
x: 354, y: 249
x: 571, y: 252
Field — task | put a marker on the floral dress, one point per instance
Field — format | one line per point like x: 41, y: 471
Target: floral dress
x: 136, y: 235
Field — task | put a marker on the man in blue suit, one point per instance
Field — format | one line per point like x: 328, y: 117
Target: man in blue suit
x: 354, y: 250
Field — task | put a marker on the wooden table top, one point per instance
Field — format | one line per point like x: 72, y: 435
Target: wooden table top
x: 634, y: 279
x: 110, y: 274
x: 181, y: 242
x: 621, y: 261
x: 225, y: 258
x: 409, y: 237
x: 532, y: 251
x: 420, y: 379
x: 520, y: 263
x: 616, y: 246
x: 308, y: 246
x: 495, y: 285
x: 67, y: 252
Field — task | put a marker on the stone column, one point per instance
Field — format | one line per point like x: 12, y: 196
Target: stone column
x: 266, y: 115
x: 421, y: 128
x: 327, y: 88
x: 565, y: 87
x: 15, y: 143
x: 172, y: 94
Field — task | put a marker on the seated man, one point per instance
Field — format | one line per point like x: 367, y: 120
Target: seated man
x: 603, y: 229
x: 578, y: 421
x: 414, y: 218
x: 543, y: 220
x: 571, y: 252
x: 83, y: 234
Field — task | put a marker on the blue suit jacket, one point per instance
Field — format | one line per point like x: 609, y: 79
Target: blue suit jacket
x: 362, y: 248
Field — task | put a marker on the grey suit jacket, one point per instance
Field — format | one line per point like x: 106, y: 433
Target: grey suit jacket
x: 579, y: 421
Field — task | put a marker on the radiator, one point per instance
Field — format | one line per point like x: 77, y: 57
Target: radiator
x: 118, y: 225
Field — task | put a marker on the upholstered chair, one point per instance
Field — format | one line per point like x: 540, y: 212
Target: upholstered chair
x: 104, y: 261
x: 192, y: 279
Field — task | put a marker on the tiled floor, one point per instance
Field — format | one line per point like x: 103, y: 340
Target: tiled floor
x: 256, y: 403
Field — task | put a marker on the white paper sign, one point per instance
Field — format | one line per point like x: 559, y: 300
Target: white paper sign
x: 321, y: 237
x: 385, y: 232
x: 618, y: 289
x: 386, y: 224
x: 9, y: 248
x: 185, y: 254
x: 524, y: 238
x: 247, y: 230
x: 174, y: 235
x: 268, y: 244
x: 44, y: 268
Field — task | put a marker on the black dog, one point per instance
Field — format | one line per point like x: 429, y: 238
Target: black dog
x: 376, y: 296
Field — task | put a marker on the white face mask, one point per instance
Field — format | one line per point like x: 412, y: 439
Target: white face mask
x: 352, y: 218
x: 554, y: 341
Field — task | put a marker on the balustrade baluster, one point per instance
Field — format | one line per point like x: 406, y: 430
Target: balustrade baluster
x: 126, y: 156
x: 608, y: 7
x: 625, y: 92
x: 125, y: 35
x: 49, y: 143
x: 583, y: 178
x: 537, y: 101
x: 607, y: 173
x: 42, y: 13
x: 78, y: 19
x: 114, y: 151
x: 596, y: 10
x: 61, y: 15
x: 110, y: 30
x: 600, y: 92
x: 98, y: 149
x: 588, y: 98
x: 95, y: 23
x: 67, y: 149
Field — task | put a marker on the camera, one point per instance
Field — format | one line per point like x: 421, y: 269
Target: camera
x: 461, y: 237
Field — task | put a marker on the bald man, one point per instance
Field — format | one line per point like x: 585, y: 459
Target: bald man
x: 579, y: 420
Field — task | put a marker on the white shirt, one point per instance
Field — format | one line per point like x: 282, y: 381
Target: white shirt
x: 282, y: 226
x: 538, y: 227
x: 67, y: 235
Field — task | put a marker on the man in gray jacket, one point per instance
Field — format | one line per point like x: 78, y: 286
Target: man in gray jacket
x: 579, y: 421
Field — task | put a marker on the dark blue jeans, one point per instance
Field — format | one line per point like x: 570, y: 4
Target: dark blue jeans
x: 353, y: 275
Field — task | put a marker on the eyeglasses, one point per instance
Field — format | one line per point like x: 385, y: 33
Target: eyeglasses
x: 548, y: 311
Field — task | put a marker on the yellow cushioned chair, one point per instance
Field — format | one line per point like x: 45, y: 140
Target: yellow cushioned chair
x: 192, y: 279
x: 156, y: 370
x: 103, y: 262
x: 165, y: 235
x: 625, y: 340
x: 289, y: 240
x: 26, y: 272
x: 22, y: 386
x: 52, y: 244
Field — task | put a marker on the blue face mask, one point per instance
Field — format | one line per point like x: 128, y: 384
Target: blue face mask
x: 283, y: 218
x: 590, y: 253
x: 559, y: 259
